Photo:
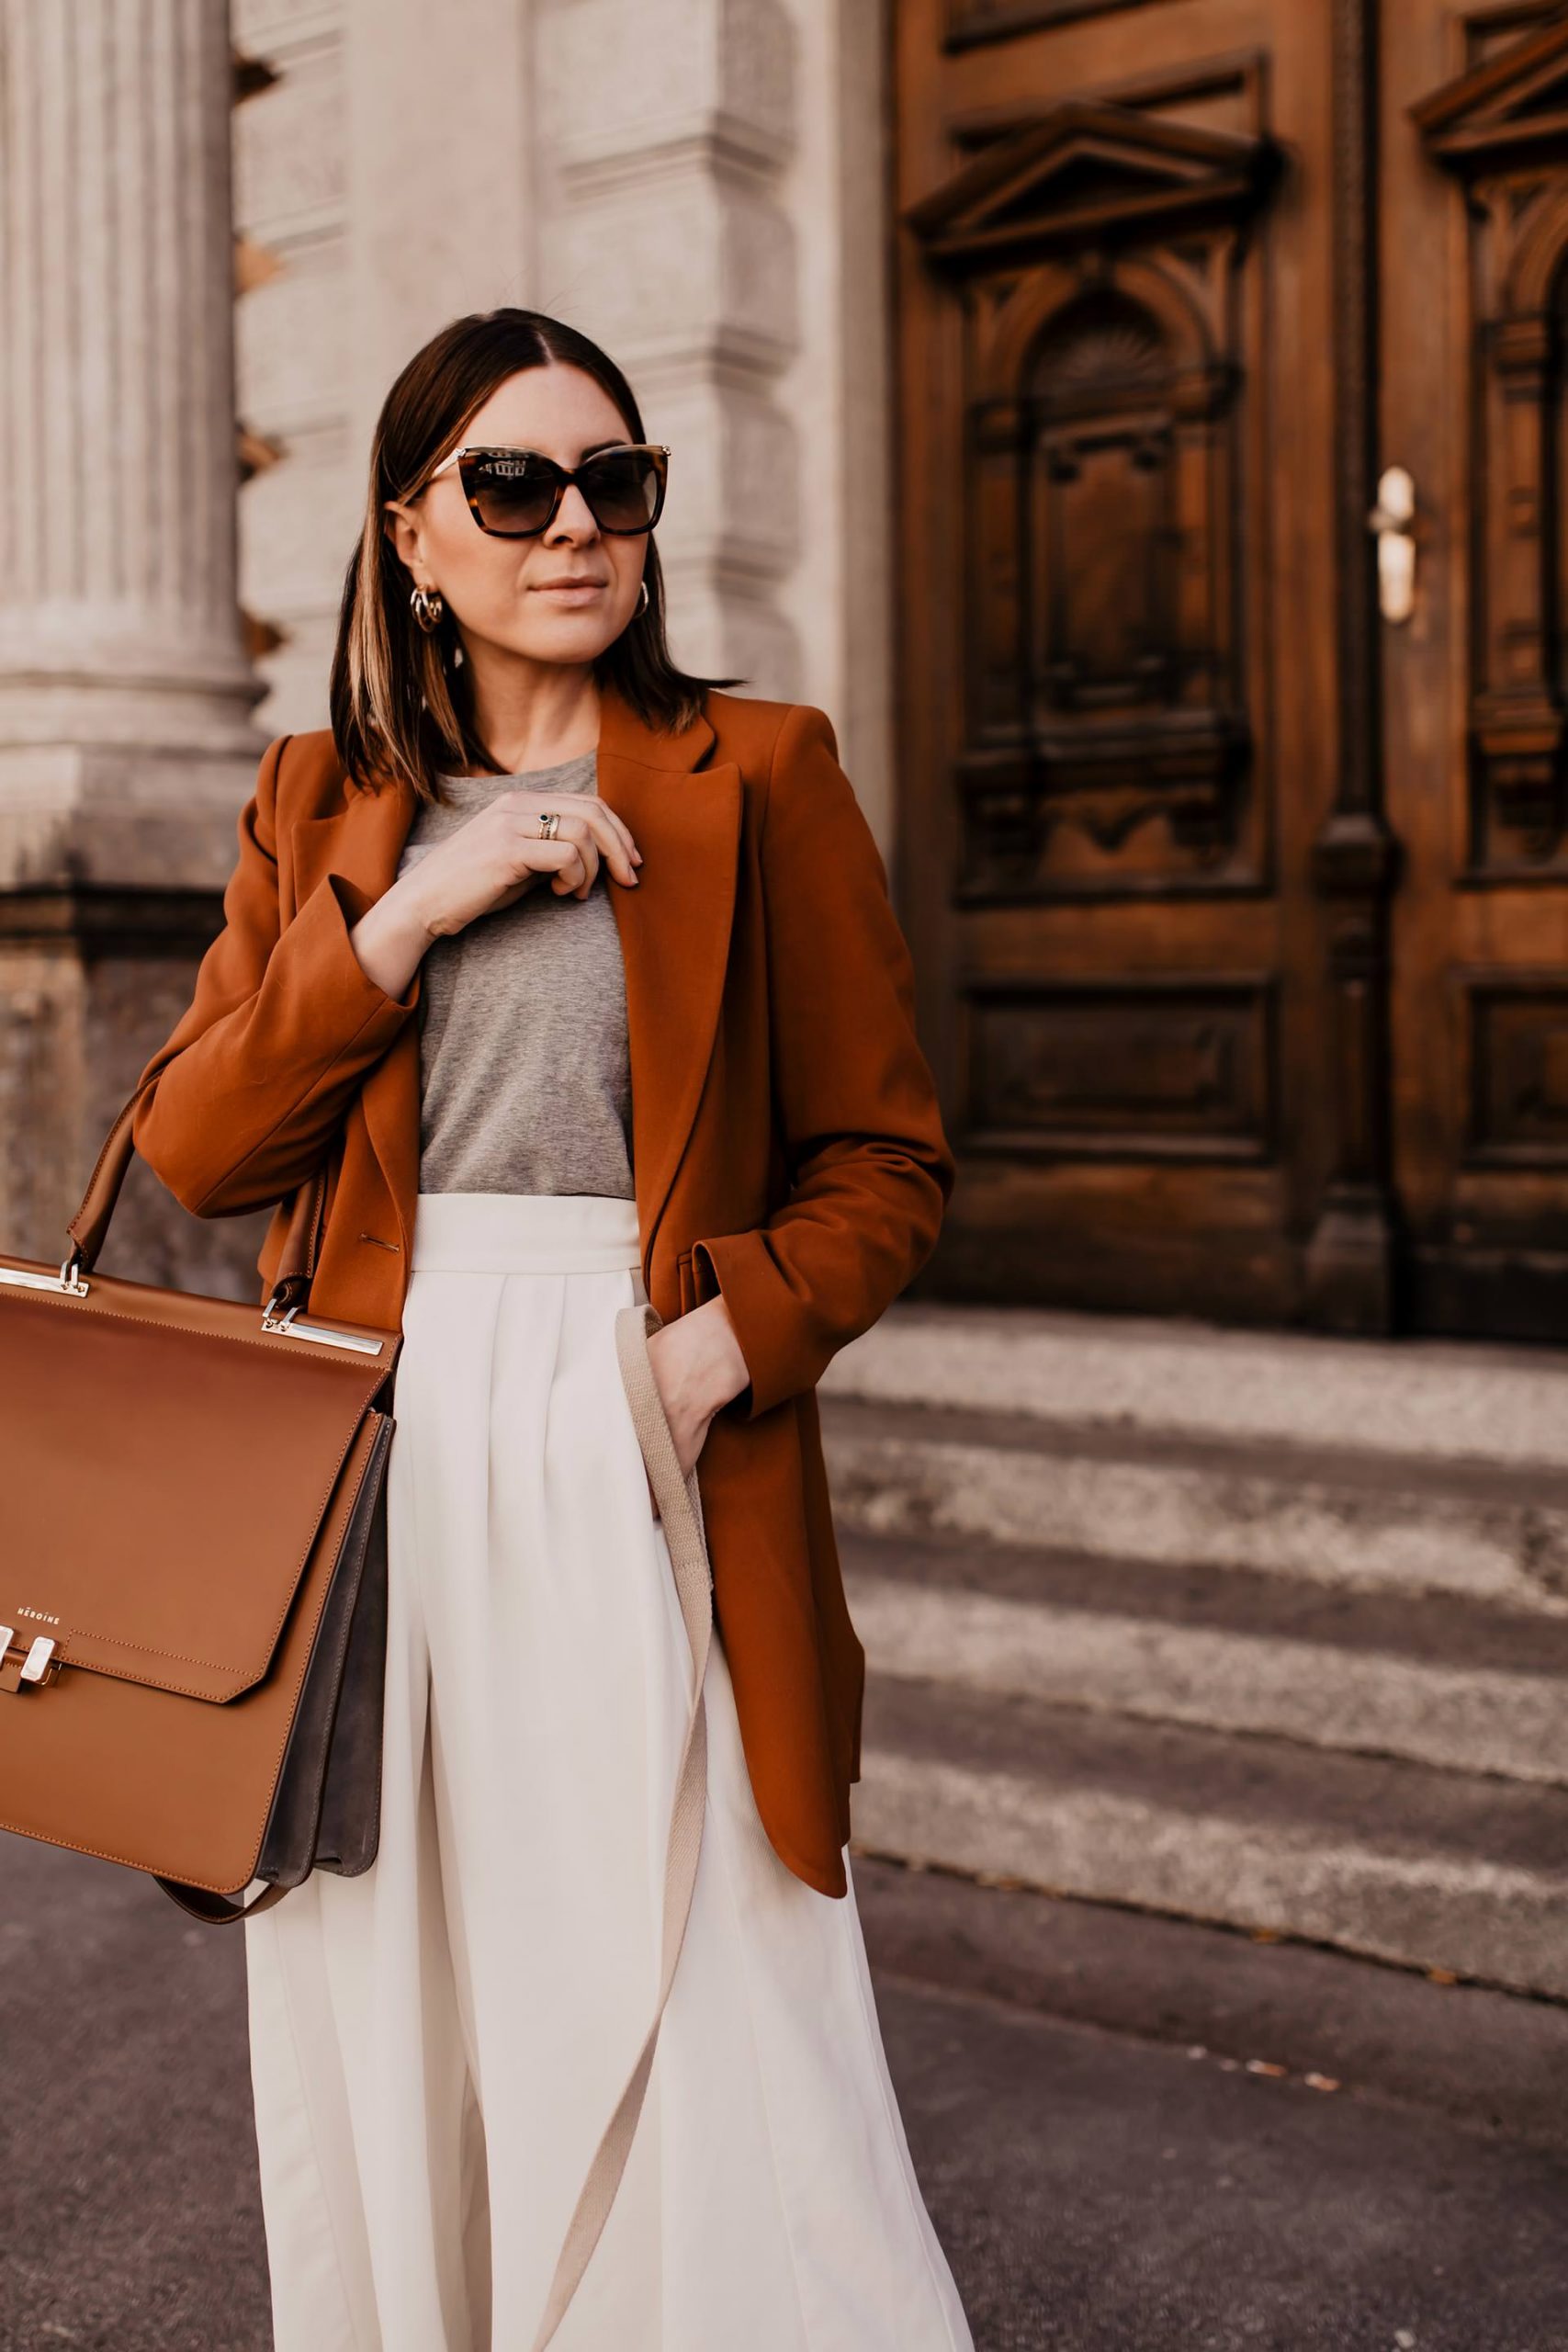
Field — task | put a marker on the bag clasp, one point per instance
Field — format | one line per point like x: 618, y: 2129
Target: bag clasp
x: 38, y: 1661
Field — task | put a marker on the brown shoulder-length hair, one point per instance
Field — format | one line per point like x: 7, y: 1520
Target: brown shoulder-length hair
x: 401, y: 702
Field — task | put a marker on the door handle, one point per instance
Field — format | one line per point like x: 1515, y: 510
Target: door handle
x: 1390, y: 521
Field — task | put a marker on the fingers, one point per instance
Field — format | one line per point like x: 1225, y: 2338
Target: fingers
x: 586, y: 819
x: 570, y: 855
x: 614, y: 835
x: 567, y: 862
x: 578, y: 876
x: 618, y: 827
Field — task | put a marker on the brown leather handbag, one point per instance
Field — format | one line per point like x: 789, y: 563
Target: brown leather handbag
x: 193, y: 1568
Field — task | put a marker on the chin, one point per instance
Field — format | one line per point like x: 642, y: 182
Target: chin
x: 562, y: 643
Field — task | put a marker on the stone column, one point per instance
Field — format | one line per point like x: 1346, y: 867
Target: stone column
x: 127, y: 745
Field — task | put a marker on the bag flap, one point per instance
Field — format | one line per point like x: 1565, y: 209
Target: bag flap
x: 165, y: 1481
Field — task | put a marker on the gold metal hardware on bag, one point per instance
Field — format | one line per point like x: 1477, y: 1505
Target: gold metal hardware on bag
x: 67, y: 1279
x: 324, y: 1335
x: 38, y: 1662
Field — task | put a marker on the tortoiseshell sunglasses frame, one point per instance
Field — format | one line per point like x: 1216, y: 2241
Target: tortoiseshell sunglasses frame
x: 658, y: 450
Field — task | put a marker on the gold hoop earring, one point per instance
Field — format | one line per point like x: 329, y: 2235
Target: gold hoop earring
x: 427, y: 605
x: 642, y: 608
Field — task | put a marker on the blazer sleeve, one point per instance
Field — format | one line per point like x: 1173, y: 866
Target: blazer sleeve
x: 251, y: 1086
x: 871, y: 1167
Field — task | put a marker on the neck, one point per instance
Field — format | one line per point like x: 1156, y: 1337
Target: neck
x: 532, y: 714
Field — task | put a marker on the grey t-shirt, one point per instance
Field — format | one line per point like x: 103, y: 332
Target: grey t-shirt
x: 524, y: 1072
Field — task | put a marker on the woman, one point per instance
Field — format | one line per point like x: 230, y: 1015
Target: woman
x: 581, y: 975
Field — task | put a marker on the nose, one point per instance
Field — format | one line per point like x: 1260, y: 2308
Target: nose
x: 574, y: 517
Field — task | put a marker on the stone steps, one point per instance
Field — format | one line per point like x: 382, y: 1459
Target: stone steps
x: 1447, y: 1399
x: 1259, y: 1629
x: 1352, y: 1520
x: 1438, y: 1870
x: 1449, y: 1684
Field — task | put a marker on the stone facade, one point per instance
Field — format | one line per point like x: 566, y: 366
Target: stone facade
x: 127, y: 744
x: 196, y: 238
x: 696, y: 184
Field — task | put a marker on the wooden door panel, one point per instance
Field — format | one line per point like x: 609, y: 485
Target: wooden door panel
x: 1120, y: 716
x: 1473, y: 317
x: 1161, y: 1067
x: 1240, y: 913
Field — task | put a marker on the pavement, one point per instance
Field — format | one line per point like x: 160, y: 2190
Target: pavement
x: 1133, y: 2134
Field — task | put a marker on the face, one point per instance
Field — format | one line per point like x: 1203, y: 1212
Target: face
x: 503, y: 592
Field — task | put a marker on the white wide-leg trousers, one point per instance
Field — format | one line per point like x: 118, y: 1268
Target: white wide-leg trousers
x: 436, y: 2045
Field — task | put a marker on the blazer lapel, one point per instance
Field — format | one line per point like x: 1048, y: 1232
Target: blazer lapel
x: 674, y: 926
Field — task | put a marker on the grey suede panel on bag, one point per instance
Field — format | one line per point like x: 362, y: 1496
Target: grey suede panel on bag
x: 524, y: 1071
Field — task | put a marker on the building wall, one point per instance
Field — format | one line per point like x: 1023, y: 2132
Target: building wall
x: 698, y: 184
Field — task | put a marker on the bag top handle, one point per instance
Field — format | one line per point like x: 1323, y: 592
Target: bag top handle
x: 89, y: 1227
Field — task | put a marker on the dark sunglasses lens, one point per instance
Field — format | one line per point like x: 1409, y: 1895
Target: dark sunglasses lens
x: 623, y: 489
x: 513, y: 494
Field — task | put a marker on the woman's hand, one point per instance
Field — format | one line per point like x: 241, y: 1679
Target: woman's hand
x: 697, y: 1366
x: 496, y: 859
x: 500, y: 853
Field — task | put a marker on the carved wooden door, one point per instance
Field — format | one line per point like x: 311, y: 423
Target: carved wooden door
x: 1474, y: 307
x: 1118, y: 699
x: 1239, y: 910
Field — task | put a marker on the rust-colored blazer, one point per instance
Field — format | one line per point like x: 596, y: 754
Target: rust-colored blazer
x: 787, y: 1145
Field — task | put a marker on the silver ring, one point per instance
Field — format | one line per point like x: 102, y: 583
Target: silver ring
x: 548, y: 822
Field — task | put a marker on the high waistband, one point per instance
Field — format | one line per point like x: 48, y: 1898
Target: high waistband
x: 524, y: 1233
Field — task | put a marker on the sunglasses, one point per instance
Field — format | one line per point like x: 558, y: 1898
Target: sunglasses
x: 515, y: 493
